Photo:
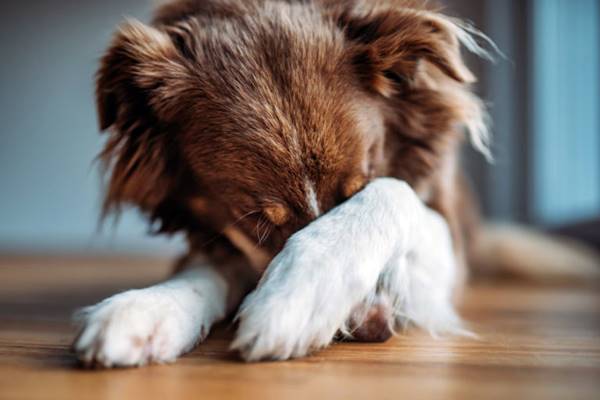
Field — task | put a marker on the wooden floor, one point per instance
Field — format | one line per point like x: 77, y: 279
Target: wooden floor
x: 535, y: 343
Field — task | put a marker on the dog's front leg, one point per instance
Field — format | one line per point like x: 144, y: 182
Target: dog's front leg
x: 331, y: 266
x: 161, y: 322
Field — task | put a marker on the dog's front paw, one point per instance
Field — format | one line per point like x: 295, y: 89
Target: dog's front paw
x: 135, y: 328
x: 279, y: 329
x: 292, y: 312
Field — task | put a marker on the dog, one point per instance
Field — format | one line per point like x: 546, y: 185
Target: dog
x: 309, y: 151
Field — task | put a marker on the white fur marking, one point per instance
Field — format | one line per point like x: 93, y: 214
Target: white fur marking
x: 311, y: 199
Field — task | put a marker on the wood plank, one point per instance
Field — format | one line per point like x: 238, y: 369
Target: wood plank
x: 534, y: 343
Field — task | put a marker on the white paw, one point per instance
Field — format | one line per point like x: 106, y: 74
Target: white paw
x: 295, y: 310
x: 135, y: 328
x: 280, y: 328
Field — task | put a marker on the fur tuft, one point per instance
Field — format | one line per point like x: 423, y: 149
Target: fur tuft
x: 477, y: 119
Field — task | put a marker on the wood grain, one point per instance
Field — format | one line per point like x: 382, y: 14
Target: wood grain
x: 534, y: 343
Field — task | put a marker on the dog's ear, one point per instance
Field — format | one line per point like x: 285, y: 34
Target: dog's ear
x: 140, y: 89
x: 387, y: 45
x: 413, y: 58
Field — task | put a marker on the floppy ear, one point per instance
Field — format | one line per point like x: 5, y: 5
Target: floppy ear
x: 417, y: 53
x: 388, y: 45
x: 140, y: 78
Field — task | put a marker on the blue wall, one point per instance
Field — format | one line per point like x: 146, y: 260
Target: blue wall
x: 566, y: 110
x: 49, y: 188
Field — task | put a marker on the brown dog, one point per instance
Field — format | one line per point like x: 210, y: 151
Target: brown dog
x: 241, y: 122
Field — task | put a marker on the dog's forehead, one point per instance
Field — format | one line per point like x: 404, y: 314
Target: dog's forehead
x: 277, y: 82
x: 280, y: 106
x: 287, y: 52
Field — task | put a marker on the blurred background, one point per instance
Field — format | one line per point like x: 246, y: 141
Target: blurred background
x: 544, y: 99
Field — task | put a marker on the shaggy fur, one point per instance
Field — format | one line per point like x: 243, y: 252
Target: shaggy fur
x: 333, y: 93
x: 239, y: 123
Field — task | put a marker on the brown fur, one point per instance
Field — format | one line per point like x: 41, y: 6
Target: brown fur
x: 222, y: 110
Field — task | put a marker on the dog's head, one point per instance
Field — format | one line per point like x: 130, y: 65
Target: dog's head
x: 252, y: 120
